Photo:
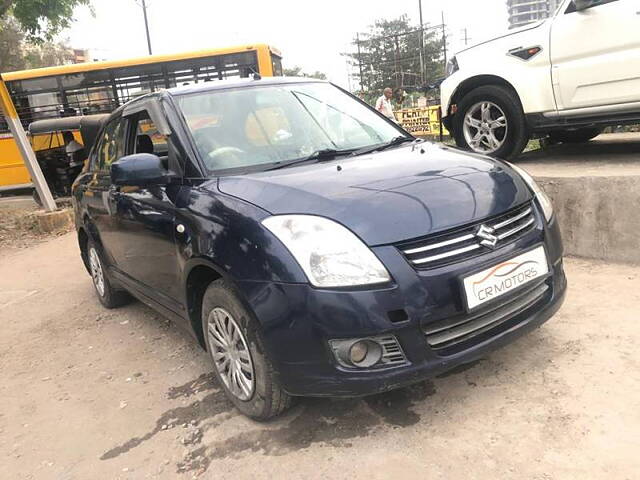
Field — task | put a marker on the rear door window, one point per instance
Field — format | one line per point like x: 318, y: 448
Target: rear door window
x: 148, y: 138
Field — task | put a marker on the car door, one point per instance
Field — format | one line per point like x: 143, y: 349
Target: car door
x: 144, y: 220
x: 97, y: 195
x: 595, y: 56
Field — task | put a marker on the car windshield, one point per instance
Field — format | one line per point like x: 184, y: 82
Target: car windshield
x: 262, y: 126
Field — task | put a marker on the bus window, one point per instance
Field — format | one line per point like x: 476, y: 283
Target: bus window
x: 132, y: 82
x: 88, y: 93
x: 36, y: 99
x: 276, y: 62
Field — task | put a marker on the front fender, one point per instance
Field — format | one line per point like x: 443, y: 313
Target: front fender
x: 227, y: 234
x: 531, y: 79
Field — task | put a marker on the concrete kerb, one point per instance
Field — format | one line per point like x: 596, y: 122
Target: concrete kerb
x: 49, y: 222
x: 599, y: 216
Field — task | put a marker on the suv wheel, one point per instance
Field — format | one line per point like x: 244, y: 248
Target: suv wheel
x: 109, y: 296
x: 236, y: 348
x: 490, y: 121
x: 580, y: 135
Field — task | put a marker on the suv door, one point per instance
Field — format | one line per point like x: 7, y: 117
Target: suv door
x: 595, y: 55
x: 145, y: 221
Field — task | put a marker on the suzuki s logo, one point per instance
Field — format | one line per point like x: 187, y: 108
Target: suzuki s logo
x: 485, y: 234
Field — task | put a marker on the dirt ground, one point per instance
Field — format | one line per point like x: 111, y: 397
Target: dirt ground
x: 87, y: 393
x: 18, y: 228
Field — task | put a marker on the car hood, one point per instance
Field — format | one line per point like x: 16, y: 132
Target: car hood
x: 391, y: 196
x: 508, y: 33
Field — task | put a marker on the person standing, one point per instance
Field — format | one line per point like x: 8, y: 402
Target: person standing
x: 384, y: 105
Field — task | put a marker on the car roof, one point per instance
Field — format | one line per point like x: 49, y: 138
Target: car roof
x: 239, y: 83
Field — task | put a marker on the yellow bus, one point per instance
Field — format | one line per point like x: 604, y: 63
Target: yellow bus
x: 101, y: 87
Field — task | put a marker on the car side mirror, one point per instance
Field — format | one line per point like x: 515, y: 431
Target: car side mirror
x: 139, y: 169
x: 582, y: 4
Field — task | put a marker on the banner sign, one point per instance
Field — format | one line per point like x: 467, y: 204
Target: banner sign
x: 421, y: 121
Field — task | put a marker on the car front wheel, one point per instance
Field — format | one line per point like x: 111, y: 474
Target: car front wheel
x: 490, y: 121
x: 236, y: 348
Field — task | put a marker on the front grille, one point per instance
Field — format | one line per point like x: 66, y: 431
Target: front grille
x: 469, y: 241
x: 392, y: 353
x: 452, y: 335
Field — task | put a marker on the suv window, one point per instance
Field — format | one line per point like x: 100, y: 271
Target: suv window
x: 111, y: 146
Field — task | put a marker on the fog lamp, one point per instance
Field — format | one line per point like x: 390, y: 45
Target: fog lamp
x: 358, y: 352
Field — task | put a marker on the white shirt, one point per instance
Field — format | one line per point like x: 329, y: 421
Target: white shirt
x: 384, y: 106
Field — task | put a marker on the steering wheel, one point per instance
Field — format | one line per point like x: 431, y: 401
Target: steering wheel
x: 225, y: 157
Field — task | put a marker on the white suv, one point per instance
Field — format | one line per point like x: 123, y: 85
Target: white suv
x: 566, y: 77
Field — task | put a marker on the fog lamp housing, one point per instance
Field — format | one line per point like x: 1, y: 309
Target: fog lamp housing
x: 368, y: 353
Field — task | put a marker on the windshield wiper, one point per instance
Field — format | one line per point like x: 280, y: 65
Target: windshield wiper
x: 331, y: 153
x: 318, y: 156
x: 382, y: 146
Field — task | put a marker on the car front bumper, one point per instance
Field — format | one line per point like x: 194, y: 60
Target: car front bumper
x: 298, y: 320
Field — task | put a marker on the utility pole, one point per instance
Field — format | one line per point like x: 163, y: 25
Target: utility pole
x: 444, y: 41
x: 466, y: 37
x: 359, y: 62
x: 423, y: 60
x: 346, y: 61
x: 395, y: 61
x: 146, y: 25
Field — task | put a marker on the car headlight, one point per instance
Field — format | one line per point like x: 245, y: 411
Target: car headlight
x: 452, y: 66
x: 329, y: 254
x: 543, y: 199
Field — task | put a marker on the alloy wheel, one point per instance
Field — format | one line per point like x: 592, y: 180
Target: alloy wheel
x: 485, y: 127
x: 230, y: 353
x: 96, y: 271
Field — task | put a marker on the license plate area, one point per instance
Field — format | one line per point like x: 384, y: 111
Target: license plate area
x: 502, y: 278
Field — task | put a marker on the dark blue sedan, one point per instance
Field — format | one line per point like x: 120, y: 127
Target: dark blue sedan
x: 312, y: 246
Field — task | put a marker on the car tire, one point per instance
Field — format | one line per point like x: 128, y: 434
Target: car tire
x: 224, y: 317
x: 512, y: 138
x: 580, y: 135
x: 109, y: 296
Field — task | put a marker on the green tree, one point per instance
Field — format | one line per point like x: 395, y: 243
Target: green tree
x: 41, y: 20
x: 297, y: 72
x: 317, y: 74
x: 48, y: 54
x: 11, y: 40
x: 292, y: 72
x: 16, y: 53
x: 389, y: 56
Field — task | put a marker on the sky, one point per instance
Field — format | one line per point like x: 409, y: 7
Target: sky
x: 309, y: 34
